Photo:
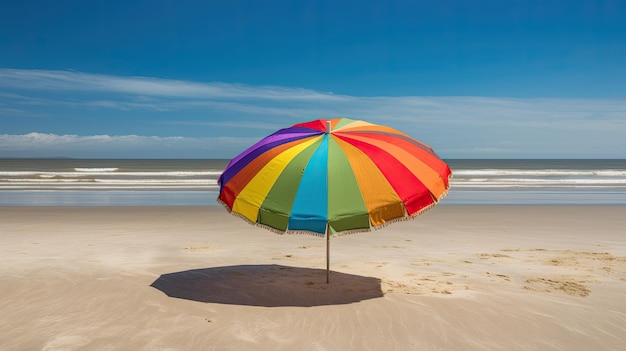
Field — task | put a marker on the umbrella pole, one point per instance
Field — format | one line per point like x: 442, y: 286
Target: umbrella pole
x: 327, y: 257
x: 328, y: 127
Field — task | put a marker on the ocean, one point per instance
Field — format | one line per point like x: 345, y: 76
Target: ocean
x: 182, y: 182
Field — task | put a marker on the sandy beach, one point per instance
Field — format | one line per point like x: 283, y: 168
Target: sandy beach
x: 196, y: 278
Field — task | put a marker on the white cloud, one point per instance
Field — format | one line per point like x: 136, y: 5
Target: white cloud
x: 456, y: 126
x: 247, y: 125
x: 149, y: 86
x: 125, y: 146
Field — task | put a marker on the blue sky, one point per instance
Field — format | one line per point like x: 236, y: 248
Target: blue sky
x: 206, y: 79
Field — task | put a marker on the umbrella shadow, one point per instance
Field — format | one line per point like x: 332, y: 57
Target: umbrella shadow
x: 268, y: 285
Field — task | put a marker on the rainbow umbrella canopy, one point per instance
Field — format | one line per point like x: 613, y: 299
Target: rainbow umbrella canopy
x: 334, y: 176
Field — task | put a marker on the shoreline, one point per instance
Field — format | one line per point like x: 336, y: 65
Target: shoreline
x: 460, y: 197
x: 458, y: 277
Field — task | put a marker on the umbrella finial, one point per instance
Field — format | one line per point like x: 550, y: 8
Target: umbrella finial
x: 328, y: 127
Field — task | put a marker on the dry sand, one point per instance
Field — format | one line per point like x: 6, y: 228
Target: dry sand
x: 196, y: 278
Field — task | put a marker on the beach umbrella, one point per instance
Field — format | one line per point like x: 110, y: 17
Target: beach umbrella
x: 330, y: 177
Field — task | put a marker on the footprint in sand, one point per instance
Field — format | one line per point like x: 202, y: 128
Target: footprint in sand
x: 426, y: 261
x: 496, y: 277
x: 199, y: 249
x: 562, y: 285
x: 310, y: 247
x: 485, y: 256
x: 586, y: 261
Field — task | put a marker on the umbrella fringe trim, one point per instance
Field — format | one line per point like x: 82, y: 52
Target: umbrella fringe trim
x: 305, y: 232
x: 444, y: 194
x: 342, y: 233
x: 352, y: 231
x: 219, y: 201
x: 422, y: 210
x: 405, y: 218
x: 267, y: 227
x: 238, y: 215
